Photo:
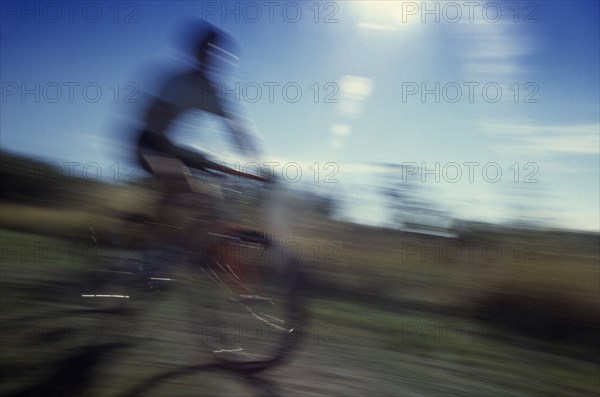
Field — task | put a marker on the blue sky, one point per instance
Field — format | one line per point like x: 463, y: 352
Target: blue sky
x: 369, y: 63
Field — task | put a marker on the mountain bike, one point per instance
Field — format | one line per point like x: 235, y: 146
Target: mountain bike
x: 242, y: 292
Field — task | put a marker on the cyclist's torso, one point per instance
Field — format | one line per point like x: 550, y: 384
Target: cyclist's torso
x: 179, y: 94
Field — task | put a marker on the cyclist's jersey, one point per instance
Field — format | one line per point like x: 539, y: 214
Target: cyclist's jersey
x: 179, y: 94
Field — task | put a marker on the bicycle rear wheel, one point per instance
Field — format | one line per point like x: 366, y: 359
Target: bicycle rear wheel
x: 245, y: 301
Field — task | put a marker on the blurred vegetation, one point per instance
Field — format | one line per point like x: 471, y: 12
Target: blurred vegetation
x: 524, y: 302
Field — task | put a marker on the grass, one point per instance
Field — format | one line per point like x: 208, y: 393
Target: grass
x: 390, y: 312
x: 454, y: 351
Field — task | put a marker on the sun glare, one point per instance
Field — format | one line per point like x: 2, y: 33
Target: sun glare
x: 387, y: 15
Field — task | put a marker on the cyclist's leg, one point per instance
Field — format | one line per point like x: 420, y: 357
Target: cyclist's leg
x: 158, y: 156
x: 169, y: 171
x: 163, y: 233
x: 171, y: 166
x: 190, y: 207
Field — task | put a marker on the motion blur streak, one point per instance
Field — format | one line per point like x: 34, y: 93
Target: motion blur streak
x: 427, y: 171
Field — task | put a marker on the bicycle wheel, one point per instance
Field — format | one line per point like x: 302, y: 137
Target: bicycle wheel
x: 245, y: 302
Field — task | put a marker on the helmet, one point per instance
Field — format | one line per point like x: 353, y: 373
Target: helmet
x: 209, y: 45
x: 217, y: 47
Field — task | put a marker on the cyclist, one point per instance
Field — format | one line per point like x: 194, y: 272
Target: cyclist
x: 167, y: 162
x: 190, y: 90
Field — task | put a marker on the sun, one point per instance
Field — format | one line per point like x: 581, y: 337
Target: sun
x: 387, y: 15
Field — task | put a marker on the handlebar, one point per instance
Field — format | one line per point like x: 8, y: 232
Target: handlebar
x: 201, y: 160
x: 211, y: 165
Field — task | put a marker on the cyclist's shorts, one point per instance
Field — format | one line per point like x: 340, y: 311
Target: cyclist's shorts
x: 155, y: 144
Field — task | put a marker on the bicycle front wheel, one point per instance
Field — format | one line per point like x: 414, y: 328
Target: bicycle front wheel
x: 245, y: 300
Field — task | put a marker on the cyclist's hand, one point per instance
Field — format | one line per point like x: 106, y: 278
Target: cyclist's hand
x: 246, y: 139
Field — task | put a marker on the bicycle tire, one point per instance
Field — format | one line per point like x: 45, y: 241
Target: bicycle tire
x: 248, y: 313
x: 145, y: 273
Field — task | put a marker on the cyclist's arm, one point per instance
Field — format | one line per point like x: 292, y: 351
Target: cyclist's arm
x: 245, y: 139
x: 244, y: 135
